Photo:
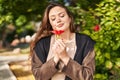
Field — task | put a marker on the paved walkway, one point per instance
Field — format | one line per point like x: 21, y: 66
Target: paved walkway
x: 5, y: 72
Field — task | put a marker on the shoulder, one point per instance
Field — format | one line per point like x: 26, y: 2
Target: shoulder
x: 84, y: 37
x: 85, y: 42
x: 80, y: 35
x: 42, y: 47
x: 43, y: 41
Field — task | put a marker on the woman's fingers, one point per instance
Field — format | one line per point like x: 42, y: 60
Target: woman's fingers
x: 60, y: 43
x: 59, y: 47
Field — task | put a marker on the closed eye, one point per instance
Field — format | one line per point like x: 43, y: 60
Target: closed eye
x: 52, y: 19
x: 62, y: 15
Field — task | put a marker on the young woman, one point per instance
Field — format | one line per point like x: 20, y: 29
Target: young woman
x: 70, y: 56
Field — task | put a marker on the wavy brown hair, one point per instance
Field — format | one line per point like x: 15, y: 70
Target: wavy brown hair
x: 46, y: 28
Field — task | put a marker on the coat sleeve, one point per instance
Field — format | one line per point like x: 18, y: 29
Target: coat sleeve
x: 42, y: 71
x: 81, y: 72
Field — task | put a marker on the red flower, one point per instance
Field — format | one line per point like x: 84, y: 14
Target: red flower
x: 57, y: 32
x: 96, y: 28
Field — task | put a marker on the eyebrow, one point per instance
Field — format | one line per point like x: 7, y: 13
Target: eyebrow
x: 58, y: 14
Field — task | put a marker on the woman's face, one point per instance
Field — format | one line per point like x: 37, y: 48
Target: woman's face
x: 59, y: 19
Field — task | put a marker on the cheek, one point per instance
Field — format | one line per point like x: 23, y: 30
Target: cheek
x: 67, y: 21
x: 52, y: 24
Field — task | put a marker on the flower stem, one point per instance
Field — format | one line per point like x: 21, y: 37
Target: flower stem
x: 57, y: 36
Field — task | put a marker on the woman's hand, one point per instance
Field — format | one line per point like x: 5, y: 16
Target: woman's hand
x: 60, y: 50
x: 56, y: 57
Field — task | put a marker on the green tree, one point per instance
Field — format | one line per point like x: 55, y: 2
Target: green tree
x: 19, y: 13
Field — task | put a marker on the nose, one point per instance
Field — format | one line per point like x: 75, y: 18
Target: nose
x: 58, y: 20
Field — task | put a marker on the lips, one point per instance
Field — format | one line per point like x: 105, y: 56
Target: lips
x: 60, y: 25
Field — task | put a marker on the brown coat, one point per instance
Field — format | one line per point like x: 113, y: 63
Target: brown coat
x: 82, y: 67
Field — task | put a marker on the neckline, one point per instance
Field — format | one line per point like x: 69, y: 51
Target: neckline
x: 67, y: 41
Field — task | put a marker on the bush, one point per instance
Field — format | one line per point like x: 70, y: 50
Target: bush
x: 103, y: 25
x: 108, y: 40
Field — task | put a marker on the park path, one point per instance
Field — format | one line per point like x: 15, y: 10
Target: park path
x: 5, y: 72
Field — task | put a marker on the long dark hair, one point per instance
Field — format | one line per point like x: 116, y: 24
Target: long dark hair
x: 46, y: 28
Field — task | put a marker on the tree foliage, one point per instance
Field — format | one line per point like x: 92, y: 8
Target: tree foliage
x: 108, y: 39
x: 103, y: 25
x: 19, y: 14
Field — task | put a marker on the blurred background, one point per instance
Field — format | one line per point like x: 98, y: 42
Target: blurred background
x: 100, y: 19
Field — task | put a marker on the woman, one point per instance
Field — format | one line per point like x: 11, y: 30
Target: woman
x: 67, y: 57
